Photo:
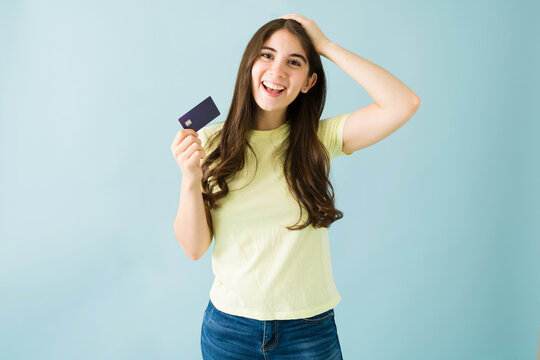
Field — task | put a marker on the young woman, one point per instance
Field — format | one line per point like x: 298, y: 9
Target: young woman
x: 258, y: 182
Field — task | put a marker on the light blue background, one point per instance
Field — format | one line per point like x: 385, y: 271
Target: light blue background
x: 437, y: 256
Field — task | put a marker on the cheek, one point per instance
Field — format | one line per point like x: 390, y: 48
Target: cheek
x: 256, y: 70
x: 254, y: 74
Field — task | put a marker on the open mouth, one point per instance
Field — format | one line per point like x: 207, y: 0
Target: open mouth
x: 273, y: 92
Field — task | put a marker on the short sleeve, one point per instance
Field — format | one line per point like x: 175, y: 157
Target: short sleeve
x: 209, y: 142
x: 203, y: 136
x: 331, y: 134
x: 206, y: 133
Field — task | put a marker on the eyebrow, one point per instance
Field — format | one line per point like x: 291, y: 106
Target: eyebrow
x: 296, y: 55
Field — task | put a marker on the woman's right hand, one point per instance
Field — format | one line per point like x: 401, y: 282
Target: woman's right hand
x: 188, y: 152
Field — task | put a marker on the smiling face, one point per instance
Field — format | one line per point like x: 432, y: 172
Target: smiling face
x: 282, y: 62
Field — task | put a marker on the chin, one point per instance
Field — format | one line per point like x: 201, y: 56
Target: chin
x: 272, y: 108
x: 268, y: 106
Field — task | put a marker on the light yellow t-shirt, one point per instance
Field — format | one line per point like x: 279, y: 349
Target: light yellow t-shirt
x: 263, y: 270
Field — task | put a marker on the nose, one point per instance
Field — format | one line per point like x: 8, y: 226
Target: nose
x: 278, y: 69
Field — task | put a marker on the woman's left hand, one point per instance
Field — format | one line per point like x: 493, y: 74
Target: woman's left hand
x: 316, y: 35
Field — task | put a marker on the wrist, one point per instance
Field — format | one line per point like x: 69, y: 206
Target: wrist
x: 191, y: 183
x: 325, y: 48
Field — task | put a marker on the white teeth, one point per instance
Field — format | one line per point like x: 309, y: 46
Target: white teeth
x: 272, y: 86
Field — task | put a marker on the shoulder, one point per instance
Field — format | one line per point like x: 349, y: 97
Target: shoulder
x: 330, y: 124
x: 209, y: 130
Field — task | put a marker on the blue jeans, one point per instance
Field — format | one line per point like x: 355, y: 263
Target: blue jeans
x: 227, y: 337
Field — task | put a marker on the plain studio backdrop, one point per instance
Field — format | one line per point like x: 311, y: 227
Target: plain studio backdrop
x: 437, y: 255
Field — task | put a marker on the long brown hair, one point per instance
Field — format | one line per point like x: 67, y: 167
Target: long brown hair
x: 306, y: 162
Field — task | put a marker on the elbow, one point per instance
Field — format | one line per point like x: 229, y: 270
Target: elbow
x: 193, y: 248
x: 415, y: 101
x: 412, y: 106
x: 186, y: 251
x: 201, y: 252
x: 190, y: 254
x: 195, y: 257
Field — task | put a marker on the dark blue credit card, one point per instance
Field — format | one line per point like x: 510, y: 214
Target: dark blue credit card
x: 200, y: 115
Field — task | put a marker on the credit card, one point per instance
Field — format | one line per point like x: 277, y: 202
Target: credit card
x: 200, y: 115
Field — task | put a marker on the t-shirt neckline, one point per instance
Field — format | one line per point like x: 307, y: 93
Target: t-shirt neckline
x: 269, y: 133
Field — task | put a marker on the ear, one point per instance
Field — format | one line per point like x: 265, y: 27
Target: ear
x: 309, y: 83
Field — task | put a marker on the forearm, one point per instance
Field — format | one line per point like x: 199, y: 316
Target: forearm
x: 190, y: 226
x: 385, y: 89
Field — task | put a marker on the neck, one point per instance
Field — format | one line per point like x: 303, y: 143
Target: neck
x: 269, y: 120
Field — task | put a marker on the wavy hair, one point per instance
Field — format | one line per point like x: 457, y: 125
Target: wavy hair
x: 306, y: 162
